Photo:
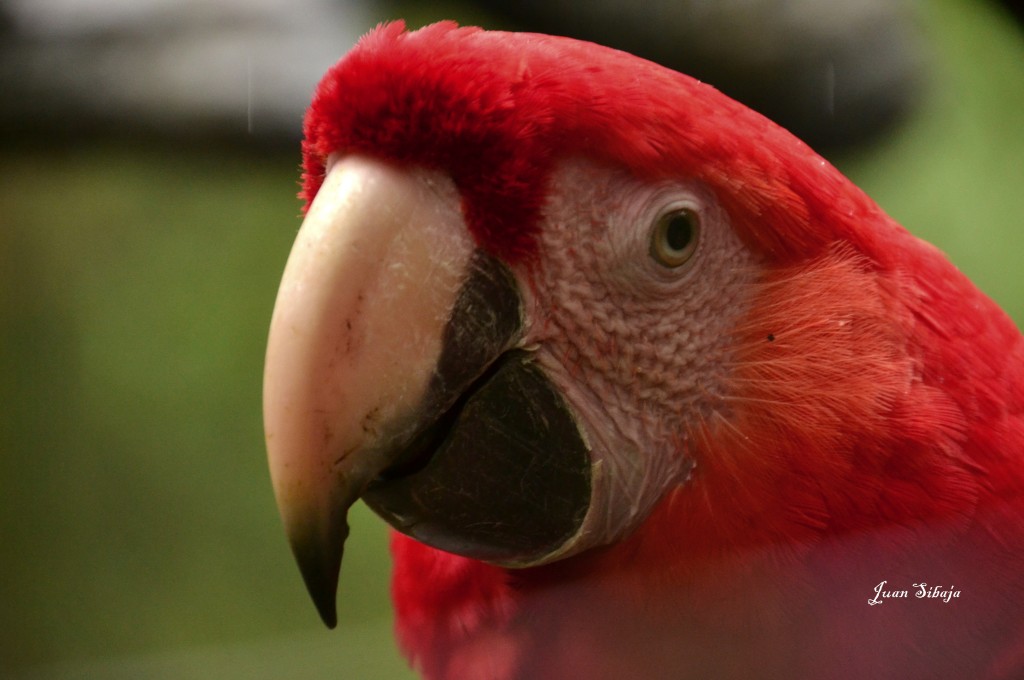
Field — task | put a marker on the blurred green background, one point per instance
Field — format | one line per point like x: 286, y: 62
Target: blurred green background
x: 138, y: 533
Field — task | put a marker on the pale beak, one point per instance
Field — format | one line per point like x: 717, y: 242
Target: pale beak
x: 355, y: 337
x: 394, y: 374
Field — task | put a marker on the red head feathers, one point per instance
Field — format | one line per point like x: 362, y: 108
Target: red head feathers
x: 493, y: 109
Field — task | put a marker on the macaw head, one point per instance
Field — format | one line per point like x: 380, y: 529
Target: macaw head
x: 543, y: 288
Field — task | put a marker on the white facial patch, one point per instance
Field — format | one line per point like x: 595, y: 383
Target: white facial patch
x: 635, y: 347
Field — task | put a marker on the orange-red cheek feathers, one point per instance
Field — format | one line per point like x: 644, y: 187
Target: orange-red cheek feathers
x: 825, y: 425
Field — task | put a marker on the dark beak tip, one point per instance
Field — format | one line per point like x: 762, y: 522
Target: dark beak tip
x: 322, y: 584
x: 328, y: 613
x: 318, y: 554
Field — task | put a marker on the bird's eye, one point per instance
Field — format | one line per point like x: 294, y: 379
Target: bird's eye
x: 674, y: 238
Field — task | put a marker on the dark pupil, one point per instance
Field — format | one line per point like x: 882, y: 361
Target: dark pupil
x: 679, y: 232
